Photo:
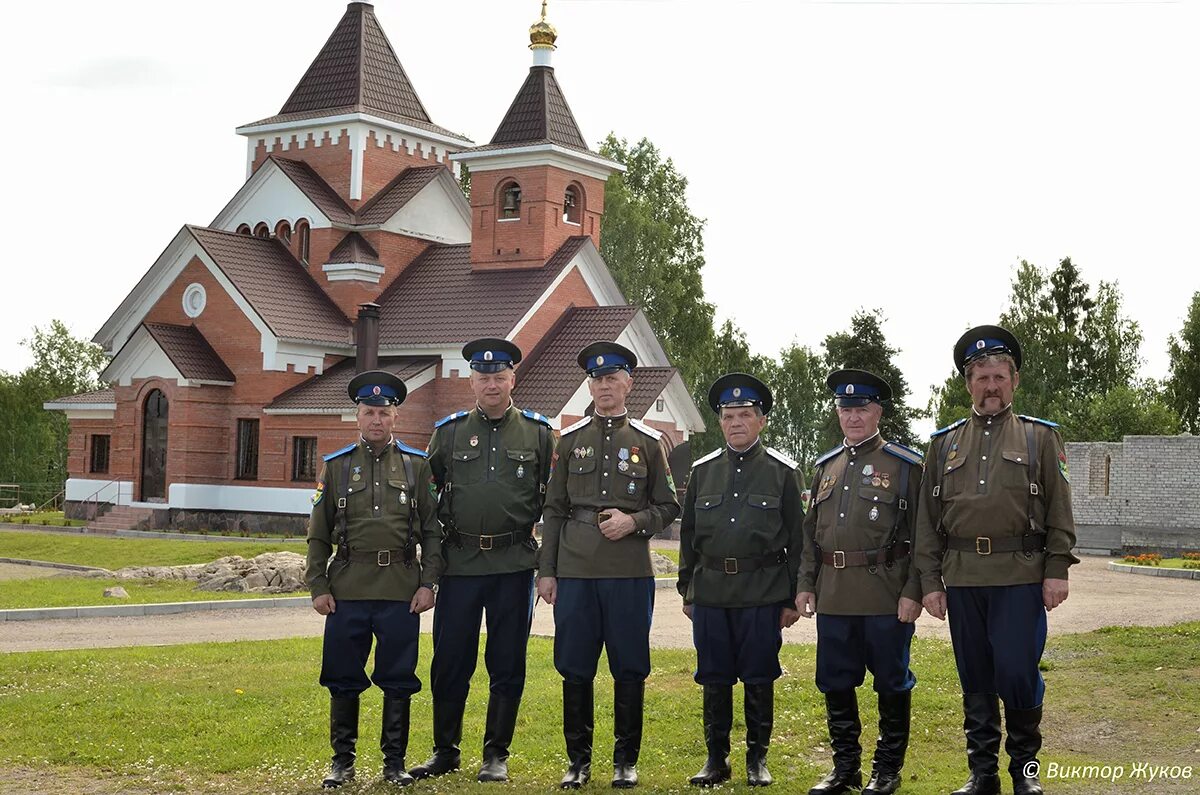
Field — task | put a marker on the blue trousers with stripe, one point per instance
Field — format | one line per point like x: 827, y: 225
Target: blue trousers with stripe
x: 348, y: 635
x: 463, y: 601
x: 610, y: 613
x: 999, y: 633
x: 849, y: 646
x: 735, y: 643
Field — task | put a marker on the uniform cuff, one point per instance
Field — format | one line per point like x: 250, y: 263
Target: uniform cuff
x: 321, y: 589
x: 911, y: 590
x: 931, y: 585
x: 1056, y: 569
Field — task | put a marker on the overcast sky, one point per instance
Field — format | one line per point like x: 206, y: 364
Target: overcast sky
x: 897, y: 155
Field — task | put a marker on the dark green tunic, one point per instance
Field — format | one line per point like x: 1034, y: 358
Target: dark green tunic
x: 747, y: 505
x: 606, y: 462
x: 377, y: 518
x: 496, y: 471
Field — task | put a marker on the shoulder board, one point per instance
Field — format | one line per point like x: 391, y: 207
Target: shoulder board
x: 646, y: 429
x: 341, y: 452
x: 904, y: 453
x: 949, y: 427
x: 572, y: 428
x: 1038, y: 420
x: 828, y: 455
x: 414, y: 451
x: 778, y: 456
x: 458, y: 415
x: 533, y: 415
x: 709, y: 457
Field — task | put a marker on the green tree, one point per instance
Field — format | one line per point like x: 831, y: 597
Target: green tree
x: 1123, y: 411
x: 801, y: 412
x: 864, y: 347
x: 1183, y: 382
x: 727, y: 352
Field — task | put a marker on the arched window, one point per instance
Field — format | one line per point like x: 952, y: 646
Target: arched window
x: 510, y: 201
x: 573, y: 204
x: 302, y: 229
x: 283, y: 231
x: 262, y: 230
x: 243, y: 229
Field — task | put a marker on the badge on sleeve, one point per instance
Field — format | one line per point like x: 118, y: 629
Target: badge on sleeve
x: 319, y: 494
x: 805, y: 500
x: 1062, y: 467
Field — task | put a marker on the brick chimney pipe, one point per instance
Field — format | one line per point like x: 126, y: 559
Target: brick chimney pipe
x: 366, y: 337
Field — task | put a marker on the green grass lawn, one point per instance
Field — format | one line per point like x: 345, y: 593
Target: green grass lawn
x: 250, y: 717
x: 52, y: 518
x: 1165, y: 563
x: 111, y: 552
x: 66, y: 591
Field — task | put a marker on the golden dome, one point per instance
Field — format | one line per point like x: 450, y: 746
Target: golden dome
x: 542, y: 33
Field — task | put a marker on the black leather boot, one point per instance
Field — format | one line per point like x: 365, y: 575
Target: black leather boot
x: 393, y: 740
x: 578, y: 718
x: 841, y: 708
x: 497, y: 736
x: 718, y: 721
x: 343, y: 735
x: 447, y: 734
x: 895, y: 711
x: 981, y: 722
x: 760, y: 719
x: 628, y: 698
x: 1023, y: 743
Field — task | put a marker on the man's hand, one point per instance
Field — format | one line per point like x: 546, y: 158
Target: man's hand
x: 617, y: 525
x: 1054, y: 593
x: 324, y: 604
x: 908, y: 611
x: 687, y: 611
x: 547, y: 588
x: 806, y: 603
x: 788, y: 616
x: 422, y: 600
x: 935, y: 603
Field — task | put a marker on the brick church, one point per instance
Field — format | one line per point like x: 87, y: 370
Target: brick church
x: 351, y: 246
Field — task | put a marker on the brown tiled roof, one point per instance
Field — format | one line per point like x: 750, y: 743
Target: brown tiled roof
x: 357, y: 71
x: 327, y: 392
x: 278, y: 287
x: 316, y: 189
x: 100, y: 396
x: 548, y: 378
x: 397, y: 193
x: 190, y: 352
x: 540, y: 114
x: 648, y: 384
x: 354, y: 248
x: 439, y: 299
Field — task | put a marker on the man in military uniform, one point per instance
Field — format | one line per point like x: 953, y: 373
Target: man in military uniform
x: 491, y: 465
x: 610, y: 493
x: 372, y: 507
x: 857, y: 578
x: 993, y: 545
x: 739, y: 551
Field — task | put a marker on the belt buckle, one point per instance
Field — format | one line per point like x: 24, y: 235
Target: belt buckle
x: 839, y: 559
x: 983, y: 545
x: 485, y: 542
x: 383, y: 557
x: 731, y: 565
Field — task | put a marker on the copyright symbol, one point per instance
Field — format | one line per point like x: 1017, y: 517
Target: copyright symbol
x: 1031, y: 769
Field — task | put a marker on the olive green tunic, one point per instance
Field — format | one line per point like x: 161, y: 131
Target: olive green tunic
x: 982, y: 464
x: 491, y: 477
x: 855, y: 500
x: 377, y: 518
x: 606, y: 462
x: 743, y: 505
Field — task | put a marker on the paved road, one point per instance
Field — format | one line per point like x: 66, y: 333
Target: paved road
x: 1099, y: 598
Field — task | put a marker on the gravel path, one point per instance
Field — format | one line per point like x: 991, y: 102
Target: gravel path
x: 1099, y: 598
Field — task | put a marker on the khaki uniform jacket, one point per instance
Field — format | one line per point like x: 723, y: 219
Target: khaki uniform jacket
x: 856, y: 501
x: 606, y: 462
x: 982, y: 466
x: 491, y: 478
x: 747, y: 505
x: 378, y: 511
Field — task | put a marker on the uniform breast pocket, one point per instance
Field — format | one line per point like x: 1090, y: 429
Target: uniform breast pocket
x: 1014, y: 469
x: 823, y: 491
x: 632, y: 482
x: 877, y: 505
x: 467, y: 467
x: 708, y: 502
x: 954, y: 477
x: 581, y: 477
x: 522, y: 464
x: 399, y: 493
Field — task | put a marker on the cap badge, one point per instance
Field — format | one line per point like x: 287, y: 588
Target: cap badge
x: 487, y: 356
x: 737, y: 391
x: 980, y: 345
x: 849, y: 389
x: 376, y: 390
x: 599, y: 360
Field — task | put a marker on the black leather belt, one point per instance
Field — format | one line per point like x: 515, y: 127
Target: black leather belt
x: 743, y: 565
x: 841, y: 559
x: 490, y: 540
x: 985, y: 545
x: 586, y: 515
x: 380, y: 557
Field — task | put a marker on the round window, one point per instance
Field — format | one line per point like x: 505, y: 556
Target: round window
x: 194, y: 299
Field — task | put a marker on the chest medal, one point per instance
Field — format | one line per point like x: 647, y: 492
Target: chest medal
x: 868, y: 470
x: 623, y: 453
x: 623, y: 466
x: 873, y: 514
x: 474, y: 441
x: 632, y: 487
x: 520, y: 470
x: 404, y: 498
